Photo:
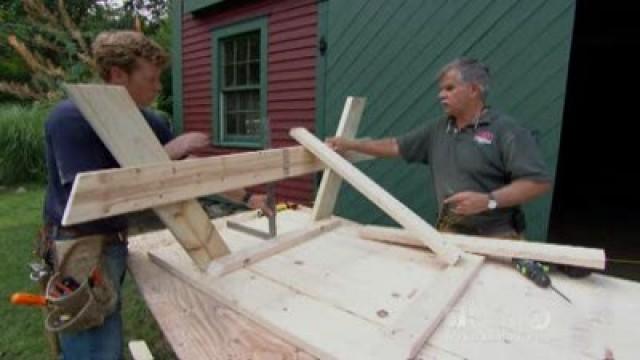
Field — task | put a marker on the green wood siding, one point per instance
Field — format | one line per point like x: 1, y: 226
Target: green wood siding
x: 391, y: 51
x: 195, y: 5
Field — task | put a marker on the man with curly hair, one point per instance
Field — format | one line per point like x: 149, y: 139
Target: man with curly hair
x: 129, y: 59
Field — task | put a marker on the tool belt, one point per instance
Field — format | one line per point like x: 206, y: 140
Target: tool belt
x: 80, y: 294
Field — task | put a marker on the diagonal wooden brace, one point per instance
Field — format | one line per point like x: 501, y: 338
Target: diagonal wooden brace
x: 380, y: 197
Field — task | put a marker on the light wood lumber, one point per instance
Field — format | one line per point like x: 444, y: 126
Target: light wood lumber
x: 327, y: 194
x: 422, y: 318
x: 558, y: 254
x: 118, y: 122
x: 196, y: 326
x: 323, y: 292
x: 139, y: 350
x: 380, y: 197
x: 246, y: 257
x: 112, y: 192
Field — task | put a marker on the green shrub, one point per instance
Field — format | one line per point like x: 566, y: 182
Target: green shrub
x: 22, y: 143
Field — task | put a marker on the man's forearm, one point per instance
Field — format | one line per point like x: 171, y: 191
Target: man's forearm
x: 519, y: 192
x: 387, y: 147
x: 234, y: 195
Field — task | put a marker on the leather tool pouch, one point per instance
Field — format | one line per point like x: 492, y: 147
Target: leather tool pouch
x: 80, y: 293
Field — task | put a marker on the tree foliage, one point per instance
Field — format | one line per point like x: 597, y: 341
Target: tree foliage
x: 45, y: 42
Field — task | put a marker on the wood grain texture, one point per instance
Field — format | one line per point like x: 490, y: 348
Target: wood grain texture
x: 117, y: 191
x: 330, y: 184
x: 411, y: 331
x: 554, y: 253
x: 380, y: 197
x: 139, y: 350
x: 197, y: 326
x: 252, y: 255
x: 501, y: 315
x: 118, y: 122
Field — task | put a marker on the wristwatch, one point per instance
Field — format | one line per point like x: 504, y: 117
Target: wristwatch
x: 492, y: 204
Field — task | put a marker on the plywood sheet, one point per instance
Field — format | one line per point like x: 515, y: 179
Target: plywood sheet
x: 331, y: 290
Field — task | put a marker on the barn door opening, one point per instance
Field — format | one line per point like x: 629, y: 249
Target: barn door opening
x: 595, y: 202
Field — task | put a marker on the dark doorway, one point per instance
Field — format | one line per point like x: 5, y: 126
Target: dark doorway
x: 595, y: 202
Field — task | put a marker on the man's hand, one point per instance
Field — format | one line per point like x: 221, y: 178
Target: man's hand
x: 339, y: 144
x: 467, y: 203
x: 186, y: 144
x: 259, y: 201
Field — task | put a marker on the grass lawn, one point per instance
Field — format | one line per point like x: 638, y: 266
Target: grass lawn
x: 22, y: 334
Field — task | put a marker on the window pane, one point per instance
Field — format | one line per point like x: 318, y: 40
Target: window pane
x: 253, y: 123
x: 231, y: 124
x: 231, y: 103
x: 228, y: 75
x: 254, y: 46
x: 241, y: 47
x: 241, y: 73
x: 228, y: 52
x: 253, y: 101
x: 254, y: 73
x: 242, y: 126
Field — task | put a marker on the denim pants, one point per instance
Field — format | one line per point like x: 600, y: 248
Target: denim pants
x: 103, y: 342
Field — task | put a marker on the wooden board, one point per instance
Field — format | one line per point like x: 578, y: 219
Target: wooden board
x: 195, y: 325
x: 330, y: 184
x: 421, y: 319
x: 554, y: 253
x: 118, y: 191
x: 501, y: 315
x: 380, y: 197
x: 252, y: 255
x: 321, y: 282
x: 118, y: 122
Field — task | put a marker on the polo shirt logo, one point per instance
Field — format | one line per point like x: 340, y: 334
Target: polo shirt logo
x: 484, y: 137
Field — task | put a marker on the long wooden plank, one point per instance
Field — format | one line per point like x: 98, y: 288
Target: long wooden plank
x: 120, y: 125
x: 554, y: 253
x: 380, y: 197
x: 246, y: 257
x: 196, y: 326
x: 327, y: 194
x: 422, y: 318
x: 117, y: 191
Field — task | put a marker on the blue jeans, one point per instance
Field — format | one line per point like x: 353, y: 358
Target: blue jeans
x: 103, y: 342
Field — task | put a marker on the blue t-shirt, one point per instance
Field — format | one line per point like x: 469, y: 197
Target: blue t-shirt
x: 73, y: 147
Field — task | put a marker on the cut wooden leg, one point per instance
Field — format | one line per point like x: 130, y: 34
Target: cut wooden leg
x: 381, y: 198
x: 240, y: 259
x: 415, y: 326
x: 554, y: 253
x: 330, y: 185
x: 120, y: 125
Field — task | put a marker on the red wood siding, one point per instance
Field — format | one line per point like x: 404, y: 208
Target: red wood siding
x: 292, y: 27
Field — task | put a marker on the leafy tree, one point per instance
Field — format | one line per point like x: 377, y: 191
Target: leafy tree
x: 45, y: 42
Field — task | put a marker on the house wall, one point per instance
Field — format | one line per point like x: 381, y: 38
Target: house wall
x: 291, y: 29
x: 391, y: 52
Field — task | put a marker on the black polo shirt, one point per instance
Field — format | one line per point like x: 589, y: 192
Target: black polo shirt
x: 73, y: 147
x: 481, y: 157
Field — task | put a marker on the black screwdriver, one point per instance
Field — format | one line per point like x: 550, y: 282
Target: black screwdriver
x: 535, y: 272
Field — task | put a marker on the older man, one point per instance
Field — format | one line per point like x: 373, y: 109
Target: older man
x: 484, y: 166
